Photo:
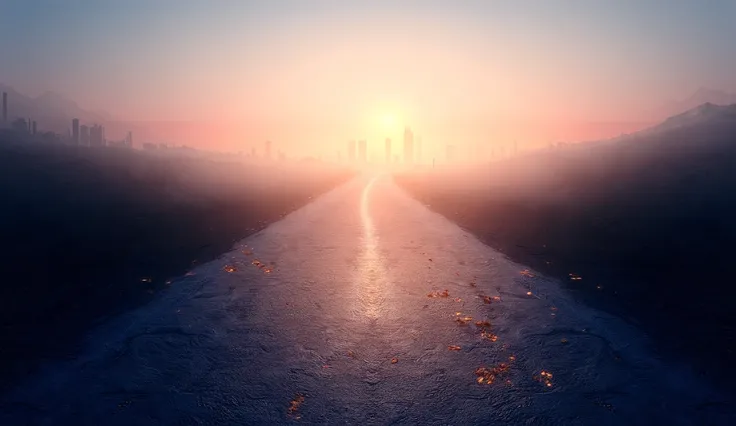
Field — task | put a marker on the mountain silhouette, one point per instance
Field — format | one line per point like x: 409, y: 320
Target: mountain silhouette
x: 53, y: 111
x: 701, y: 96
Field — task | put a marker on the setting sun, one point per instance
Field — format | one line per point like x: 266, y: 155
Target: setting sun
x: 389, y: 122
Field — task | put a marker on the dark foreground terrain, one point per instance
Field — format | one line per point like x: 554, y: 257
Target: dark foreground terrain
x: 643, y: 226
x: 89, y: 233
x: 365, y: 308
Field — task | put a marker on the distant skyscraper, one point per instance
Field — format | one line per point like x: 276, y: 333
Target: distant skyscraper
x: 129, y: 139
x: 388, y: 151
x: 96, y: 136
x: 362, y: 151
x: 408, y: 146
x: 5, y: 107
x: 75, y: 131
x: 84, y: 135
x: 351, y: 151
x: 267, y: 150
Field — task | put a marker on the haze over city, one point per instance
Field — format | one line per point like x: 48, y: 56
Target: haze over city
x: 312, y: 75
x: 372, y: 213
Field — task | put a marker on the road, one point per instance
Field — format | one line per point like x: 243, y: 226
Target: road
x: 361, y: 308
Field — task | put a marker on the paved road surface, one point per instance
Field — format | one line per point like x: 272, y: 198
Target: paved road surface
x: 339, y: 321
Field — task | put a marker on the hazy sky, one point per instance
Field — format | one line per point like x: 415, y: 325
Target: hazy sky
x: 335, y: 70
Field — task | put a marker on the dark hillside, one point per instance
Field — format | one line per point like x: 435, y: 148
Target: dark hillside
x: 88, y: 233
x: 648, y: 221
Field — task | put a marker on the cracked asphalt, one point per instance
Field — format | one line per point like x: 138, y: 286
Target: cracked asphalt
x: 364, y: 307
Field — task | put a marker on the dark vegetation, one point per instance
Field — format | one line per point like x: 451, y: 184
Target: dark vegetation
x: 648, y: 222
x: 88, y: 233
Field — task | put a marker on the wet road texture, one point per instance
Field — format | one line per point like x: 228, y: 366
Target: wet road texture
x: 365, y: 307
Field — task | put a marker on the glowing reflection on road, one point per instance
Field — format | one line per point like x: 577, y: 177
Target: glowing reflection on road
x: 370, y: 274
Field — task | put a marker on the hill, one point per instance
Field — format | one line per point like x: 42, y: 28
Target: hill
x: 647, y: 222
x: 88, y: 233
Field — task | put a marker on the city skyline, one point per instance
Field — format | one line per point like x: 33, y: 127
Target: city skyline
x: 528, y: 70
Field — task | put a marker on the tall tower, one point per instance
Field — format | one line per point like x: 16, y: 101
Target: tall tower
x: 75, y: 131
x: 351, y: 151
x: 362, y: 151
x: 388, y: 151
x: 5, y: 107
x: 408, y: 146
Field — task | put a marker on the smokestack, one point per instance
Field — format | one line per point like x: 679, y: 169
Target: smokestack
x: 5, y: 107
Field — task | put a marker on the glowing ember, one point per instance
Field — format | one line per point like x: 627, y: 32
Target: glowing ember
x: 443, y: 293
x: 394, y: 360
x: 463, y: 320
x: 490, y: 299
x: 295, y: 404
x: 527, y: 273
x: 457, y: 299
x: 230, y: 268
x: 256, y: 262
x: 487, y: 335
x: 351, y: 354
x: 564, y: 341
x: 267, y: 270
x: 528, y: 293
x: 453, y: 348
x: 575, y: 277
x: 146, y: 280
x: 485, y: 323
x: 512, y: 358
x: 545, y: 378
x: 488, y: 375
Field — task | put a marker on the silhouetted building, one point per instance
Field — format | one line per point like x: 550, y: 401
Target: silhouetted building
x: 388, y: 151
x: 351, y: 151
x: 408, y: 146
x: 96, y: 136
x: 5, y: 107
x: 33, y: 128
x: 84, y: 135
x: 75, y: 131
x: 362, y: 151
x: 129, y: 139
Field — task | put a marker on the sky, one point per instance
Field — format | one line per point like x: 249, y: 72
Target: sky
x: 310, y: 75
